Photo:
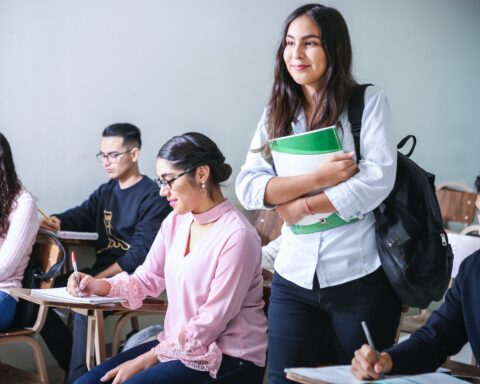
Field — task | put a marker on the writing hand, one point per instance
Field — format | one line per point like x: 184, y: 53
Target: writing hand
x: 369, y: 364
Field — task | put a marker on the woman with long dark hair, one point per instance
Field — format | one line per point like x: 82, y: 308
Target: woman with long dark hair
x: 207, y: 257
x: 328, y: 278
x: 18, y: 228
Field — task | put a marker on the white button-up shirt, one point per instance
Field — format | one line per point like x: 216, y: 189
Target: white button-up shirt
x: 347, y: 252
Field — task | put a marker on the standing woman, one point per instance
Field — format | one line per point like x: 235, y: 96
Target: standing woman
x: 18, y: 229
x: 326, y: 282
x: 208, y: 258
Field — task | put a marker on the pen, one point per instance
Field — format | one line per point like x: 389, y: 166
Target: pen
x: 42, y: 212
x: 370, y: 343
x: 75, y: 270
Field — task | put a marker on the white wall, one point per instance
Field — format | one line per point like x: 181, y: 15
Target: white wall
x: 69, y: 68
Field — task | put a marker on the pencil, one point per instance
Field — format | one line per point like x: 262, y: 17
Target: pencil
x: 42, y: 212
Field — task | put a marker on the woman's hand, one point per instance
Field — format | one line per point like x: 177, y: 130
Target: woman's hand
x: 335, y: 169
x: 367, y: 364
x: 124, y: 371
x: 88, y: 285
x: 52, y: 224
x: 292, y: 211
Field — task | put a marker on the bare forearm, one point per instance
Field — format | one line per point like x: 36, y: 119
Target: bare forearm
x: 320, y: 203
x: 336, y: 169
x: 110, y: 271
x: 280, y: 190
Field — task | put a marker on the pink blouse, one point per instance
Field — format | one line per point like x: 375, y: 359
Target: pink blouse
x: 16, y: 246
x: 214, y: 293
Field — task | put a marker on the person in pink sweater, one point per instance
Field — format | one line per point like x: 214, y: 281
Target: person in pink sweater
x: 207, y: 257
x: 18, y: 229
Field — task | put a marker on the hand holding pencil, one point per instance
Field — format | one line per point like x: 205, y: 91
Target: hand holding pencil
x: 50, y: 223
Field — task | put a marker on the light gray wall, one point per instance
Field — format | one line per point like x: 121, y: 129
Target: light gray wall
x: 69, y: 68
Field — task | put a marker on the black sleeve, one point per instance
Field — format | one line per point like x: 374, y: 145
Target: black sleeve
x: 83, y: 217
x: 443, y: 335
x: 153, y: 210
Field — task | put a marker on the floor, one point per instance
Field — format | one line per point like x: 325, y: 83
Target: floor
x: 21, y: 355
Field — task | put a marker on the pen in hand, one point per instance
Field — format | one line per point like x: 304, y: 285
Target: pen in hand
x: 370, y: 343
x: 75, y: 269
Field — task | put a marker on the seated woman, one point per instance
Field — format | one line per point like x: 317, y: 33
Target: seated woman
x: 18, y: 229
x: 208, y: 258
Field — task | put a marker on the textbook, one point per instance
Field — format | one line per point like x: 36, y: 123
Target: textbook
x: 61, y: 295
x: 303, y: 153
x: 341, y: 375
x: 71, y: 235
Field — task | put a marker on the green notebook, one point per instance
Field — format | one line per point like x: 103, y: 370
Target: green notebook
x: 303, y: 153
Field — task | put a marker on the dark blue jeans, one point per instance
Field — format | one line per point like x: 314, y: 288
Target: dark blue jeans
x: 8, y: 306
x: 322, y: 326
x: 232, y: 371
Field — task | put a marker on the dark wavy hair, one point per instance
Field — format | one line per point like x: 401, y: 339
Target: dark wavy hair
x: 287, y: 98
x: 10, y: 185
x: 192, y: 150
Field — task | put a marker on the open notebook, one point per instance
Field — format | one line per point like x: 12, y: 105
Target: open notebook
x: 341, y: 374
x: 61, y: 295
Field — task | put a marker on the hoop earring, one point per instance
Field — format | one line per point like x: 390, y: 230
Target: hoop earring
x: 203, y: 189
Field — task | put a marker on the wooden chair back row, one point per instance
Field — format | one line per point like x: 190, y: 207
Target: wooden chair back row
x: 47, y: 251
x: 457, y: 204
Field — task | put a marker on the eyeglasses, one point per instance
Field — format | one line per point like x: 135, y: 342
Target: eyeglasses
x: 167, y: 184
x: 113, y: 157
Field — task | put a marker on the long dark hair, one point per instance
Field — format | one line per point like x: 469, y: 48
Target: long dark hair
x: 287, y: 97
x: 192, y: 150
x: 10, y: 185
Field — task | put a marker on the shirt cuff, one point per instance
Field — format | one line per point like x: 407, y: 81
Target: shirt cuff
x: 341, y: 200
x: 191, y: 352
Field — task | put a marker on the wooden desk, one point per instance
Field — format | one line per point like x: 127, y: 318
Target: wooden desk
x: 96, y: 353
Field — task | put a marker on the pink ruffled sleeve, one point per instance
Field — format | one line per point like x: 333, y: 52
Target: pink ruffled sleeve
x: 191, y: 352
x: 126, y: 286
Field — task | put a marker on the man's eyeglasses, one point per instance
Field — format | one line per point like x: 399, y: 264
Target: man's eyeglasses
x: 112, y: 157
x: 167, y: 184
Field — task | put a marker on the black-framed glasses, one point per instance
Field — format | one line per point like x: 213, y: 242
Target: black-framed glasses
x: 113, y: 157
x: 167, y: 184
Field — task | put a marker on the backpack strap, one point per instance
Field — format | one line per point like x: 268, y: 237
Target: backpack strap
x: 356, y: 103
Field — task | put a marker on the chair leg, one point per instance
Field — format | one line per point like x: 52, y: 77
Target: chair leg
x: 39, y: 360
x: 37, y: 352
x: 134, y: 322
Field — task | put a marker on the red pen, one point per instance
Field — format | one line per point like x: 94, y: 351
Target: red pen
x: 75, y: 269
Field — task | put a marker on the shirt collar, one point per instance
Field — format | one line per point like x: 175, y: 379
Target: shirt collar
x: 213, y: 214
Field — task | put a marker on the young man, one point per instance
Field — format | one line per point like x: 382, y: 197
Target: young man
x: 126, y: 212
x: 448, y: 329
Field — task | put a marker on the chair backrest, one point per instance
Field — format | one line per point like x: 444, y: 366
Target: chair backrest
x: 268, y: 225
x: 457, y: 204
x: 46, y: 261
x: 49, y: 254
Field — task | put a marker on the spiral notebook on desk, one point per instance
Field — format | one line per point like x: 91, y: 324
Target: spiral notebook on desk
x: 72, y: 235
x: 61, y: 295
x: 341, y: 375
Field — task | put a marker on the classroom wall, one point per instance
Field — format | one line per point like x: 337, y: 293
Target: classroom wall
x: 69, y: 68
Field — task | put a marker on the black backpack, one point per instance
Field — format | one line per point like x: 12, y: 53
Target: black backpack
x: 411, y: 240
